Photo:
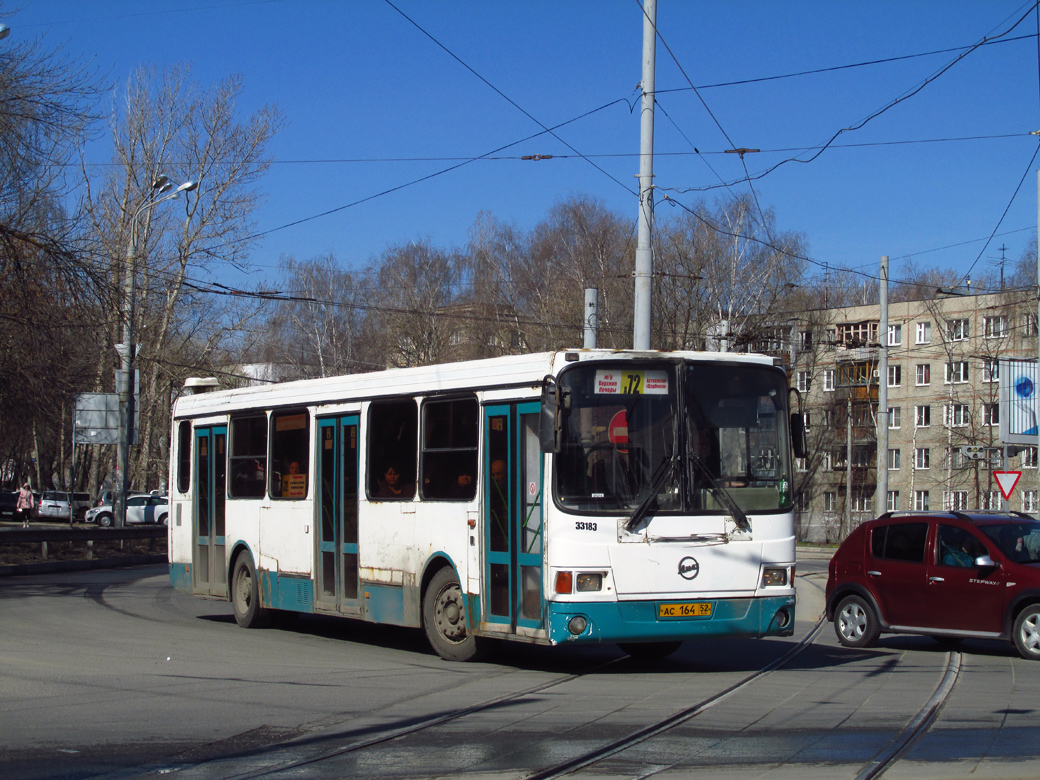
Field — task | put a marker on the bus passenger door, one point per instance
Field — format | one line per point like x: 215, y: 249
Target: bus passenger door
x: 208, y: 562
x: 336, y: 573
x: 513, y: 517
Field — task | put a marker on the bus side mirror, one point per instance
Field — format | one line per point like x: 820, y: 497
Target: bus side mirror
x: 798, y: 443
x: 549, y: 422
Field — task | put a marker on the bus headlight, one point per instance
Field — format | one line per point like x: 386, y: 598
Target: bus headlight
x: 774, y: 576
x: 577, y: 625
x: 589, y: 582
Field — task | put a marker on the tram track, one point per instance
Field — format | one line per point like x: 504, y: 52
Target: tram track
x: 558, y: 770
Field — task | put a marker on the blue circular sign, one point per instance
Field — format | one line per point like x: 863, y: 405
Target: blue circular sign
x: 1024, y: 387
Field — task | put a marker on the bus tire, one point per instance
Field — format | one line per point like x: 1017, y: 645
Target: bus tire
x: 444, y: 618
x: 245, y: 595
x: 649, y: 651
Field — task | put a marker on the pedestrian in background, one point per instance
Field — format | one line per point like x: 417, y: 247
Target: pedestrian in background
x: 26, y: 504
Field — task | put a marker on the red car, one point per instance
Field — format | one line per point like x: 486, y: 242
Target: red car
x: 943, y: 574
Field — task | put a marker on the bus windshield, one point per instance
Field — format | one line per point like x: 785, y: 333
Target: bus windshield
x: 673, y: 437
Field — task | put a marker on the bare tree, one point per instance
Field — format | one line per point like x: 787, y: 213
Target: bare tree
x: 48, y: 286
x: 167, y: 124
x: 317, y: 330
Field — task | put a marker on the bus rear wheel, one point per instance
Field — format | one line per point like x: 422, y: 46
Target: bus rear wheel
x: 245, y: 595
x: 444, y: 618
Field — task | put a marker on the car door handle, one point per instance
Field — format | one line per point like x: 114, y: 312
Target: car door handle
x: 936, y: 579
x: 874, y: 573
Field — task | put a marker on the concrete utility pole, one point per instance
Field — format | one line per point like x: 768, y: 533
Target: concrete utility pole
x: 881, y: 500
x: 644, y: 254
x: 127, y: 400
x: 591, y: 317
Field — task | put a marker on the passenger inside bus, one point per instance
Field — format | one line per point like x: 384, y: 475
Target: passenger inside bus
x: 393, y: 485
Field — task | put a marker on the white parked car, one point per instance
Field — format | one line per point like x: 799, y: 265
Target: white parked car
x: 55, y: 504
x: 141, y: 508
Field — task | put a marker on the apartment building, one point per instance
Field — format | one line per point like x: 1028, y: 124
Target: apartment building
x: 942, y: 383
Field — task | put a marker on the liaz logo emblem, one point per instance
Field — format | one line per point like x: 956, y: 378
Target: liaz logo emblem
x: 689, y: 568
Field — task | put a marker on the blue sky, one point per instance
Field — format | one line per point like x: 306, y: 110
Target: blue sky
x: 372, y: 102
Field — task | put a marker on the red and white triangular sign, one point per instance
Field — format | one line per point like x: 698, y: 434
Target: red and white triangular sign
x: 1007, y: 480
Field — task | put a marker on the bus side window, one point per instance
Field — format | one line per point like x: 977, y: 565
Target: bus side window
x: 393, y: 433
x: 449, y: 449
x: 248, y: 456
x: 290, y: 454
x: 183, y: 456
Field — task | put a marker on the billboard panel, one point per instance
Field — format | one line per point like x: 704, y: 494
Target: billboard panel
x: 1018, y: 402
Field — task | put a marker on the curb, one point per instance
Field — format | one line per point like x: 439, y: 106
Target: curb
x: 52, y: 567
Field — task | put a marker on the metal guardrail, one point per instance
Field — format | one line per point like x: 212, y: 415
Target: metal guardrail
x: 86, y: 536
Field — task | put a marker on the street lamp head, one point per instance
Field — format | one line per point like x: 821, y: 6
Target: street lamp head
x: 188, y: 186
x: 4, y: 30
x: 161, y: 183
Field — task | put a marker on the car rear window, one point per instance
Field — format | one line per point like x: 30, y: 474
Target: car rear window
x: 899, y: 542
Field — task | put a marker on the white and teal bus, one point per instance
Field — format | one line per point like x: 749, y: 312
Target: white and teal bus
x: 641, y: 498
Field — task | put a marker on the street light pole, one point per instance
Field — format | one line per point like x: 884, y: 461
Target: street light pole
x: 127, y: 398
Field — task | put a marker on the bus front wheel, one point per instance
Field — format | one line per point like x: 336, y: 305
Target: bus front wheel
x: 245, y: 595
x: 444, y: 618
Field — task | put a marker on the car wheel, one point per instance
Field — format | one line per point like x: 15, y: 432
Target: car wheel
x: 104, y: 520
x: 1027, y: 632
x: 245, y: 595
x: 649, y: 651
x: 444, y: 618
x: 856, y: 623
x: 164, y: 520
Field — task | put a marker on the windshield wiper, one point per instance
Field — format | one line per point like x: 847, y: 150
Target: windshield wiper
x: 663, y: 471
x: 721, y: 493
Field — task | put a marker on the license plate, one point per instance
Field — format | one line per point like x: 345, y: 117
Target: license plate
x: 694, y: 609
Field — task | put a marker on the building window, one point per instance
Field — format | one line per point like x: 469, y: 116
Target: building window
x: 955, y: 500
x: 895, y: 335
x: 895, y: 417
x: 802, y: 381
x: 991, y: 414
x: 922, y: 455
x: 861, y: 457
x: 895, y: 376
x: 924, y: 333
x: 1030, y: 325
x: 990, y: 370
x: 828, y: 501
x: 923, y: 374
x: 1029, y: 458
x: 995, y: 327
x: 856, y: 374
x: 804, y: 502
x: 827, y: 463
x: 920, y: 500
x: 805, y: 340
x: 957, y: 330
x: 862, y: 501
x: 1028, y: 500
x: 892, y: 505
x: 957, y: 373
x: 957, y: 416
x: 828, y: 380
x: 991, y: 500
x: 857, y: 334
x: 922, y: 416
x: 894, y: 458
x: 800, y: 465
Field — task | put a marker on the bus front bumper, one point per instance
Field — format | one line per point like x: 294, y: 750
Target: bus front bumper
x: 636, y: 621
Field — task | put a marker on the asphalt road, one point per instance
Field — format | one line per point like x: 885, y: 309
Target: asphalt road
x: 113, y: 674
